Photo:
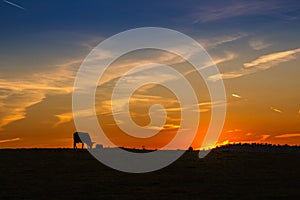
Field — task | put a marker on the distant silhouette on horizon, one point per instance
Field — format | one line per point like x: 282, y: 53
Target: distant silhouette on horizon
x: 83, y: 138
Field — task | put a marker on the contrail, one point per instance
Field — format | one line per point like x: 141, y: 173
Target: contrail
x: 10, y: 140
x: 13, y: 4
x: 236, y: 96
x: 276, y: 110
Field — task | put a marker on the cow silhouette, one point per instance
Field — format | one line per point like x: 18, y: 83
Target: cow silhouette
x: 83, y: 138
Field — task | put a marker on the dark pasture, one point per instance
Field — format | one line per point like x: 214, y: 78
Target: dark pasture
x: 75, y: 174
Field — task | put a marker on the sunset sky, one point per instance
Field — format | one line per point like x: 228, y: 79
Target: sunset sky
x: 255, y: 45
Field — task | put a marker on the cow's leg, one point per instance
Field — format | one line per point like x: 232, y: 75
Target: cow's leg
x: 74, y: 145
x: 82, y: 146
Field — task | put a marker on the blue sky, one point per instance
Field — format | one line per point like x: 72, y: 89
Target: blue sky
x: 55, y: 25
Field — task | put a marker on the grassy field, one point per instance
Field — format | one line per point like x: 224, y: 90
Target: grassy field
x: 66, y: 173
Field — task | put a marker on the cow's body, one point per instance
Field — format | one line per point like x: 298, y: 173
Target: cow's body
x: 83, y: 138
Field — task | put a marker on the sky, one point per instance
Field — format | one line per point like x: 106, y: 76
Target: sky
x: 255, y: 45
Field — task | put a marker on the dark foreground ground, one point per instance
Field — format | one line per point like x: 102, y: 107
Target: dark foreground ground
x: 69, y: 174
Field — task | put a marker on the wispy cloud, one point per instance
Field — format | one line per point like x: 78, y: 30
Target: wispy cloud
x: 91, y: 42
x: 17, y: 94
x: 276, y: 110
x: 231, y: 9
x: 264, y: 137
x: 228, y: 57
x: 236, y: 96
x: 258, y: 44
x: 216, y: 60
x: 236, y: 130
x: 10, y: 140
x: 176, y: 109
x: 230, y: 75
x: 171, y: 126
x: 268, y: 61
x: 64, y: 118
x: 118, y: 70
x: 288, y: 135
x: 241, y: 136
x: 220, y: 40
x: 262, y: 63
x: 13, y: 4
x: 15, y: 103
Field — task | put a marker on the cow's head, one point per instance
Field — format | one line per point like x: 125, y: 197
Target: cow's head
x: 90, y: 144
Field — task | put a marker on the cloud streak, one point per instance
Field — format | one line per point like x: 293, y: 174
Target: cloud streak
x: 64, y: 118
x: 288, y: 135
x: 276, y: 110
x: 220, y: 11
x: 10, y: 140
x: 267, y: 61
x: 236, y: 96
x: 221, y: 40
x: 261, y: 63
x: 13, y: 4
x: 17, y: 94
x: 258, y: 44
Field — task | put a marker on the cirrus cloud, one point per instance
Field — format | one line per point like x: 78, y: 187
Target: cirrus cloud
x: 17, y: 94
x: 288, y: 135
x: 261, y: 63
x: 267, y: 61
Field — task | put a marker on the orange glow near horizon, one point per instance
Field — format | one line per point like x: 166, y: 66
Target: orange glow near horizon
x: 262, y: 106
